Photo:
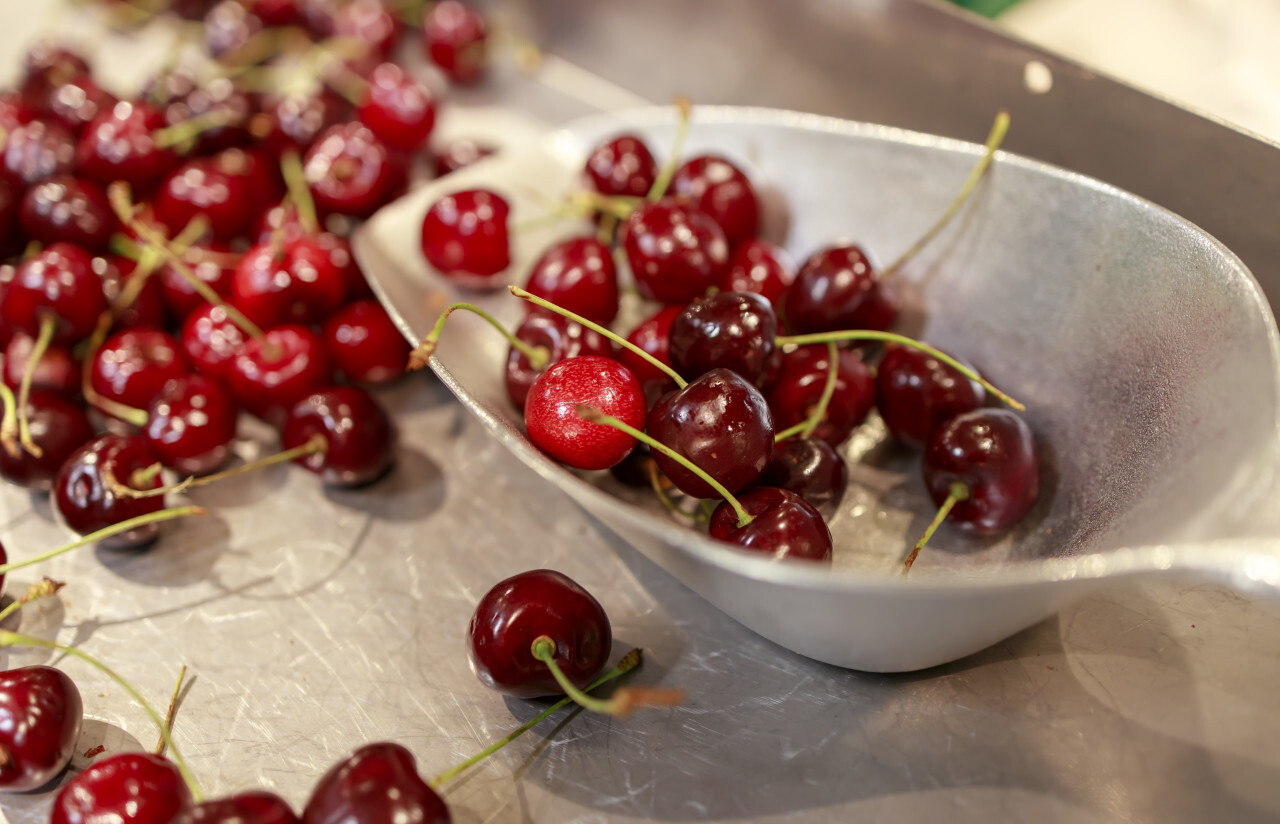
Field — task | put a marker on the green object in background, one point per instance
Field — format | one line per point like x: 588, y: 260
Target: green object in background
x: 987, y: 8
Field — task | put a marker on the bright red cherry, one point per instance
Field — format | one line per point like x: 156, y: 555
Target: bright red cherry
x: 397, y: 108
x: 352, y: 172
x: 213, y: 263
x: 759, y: 266
x: 622, y: 166
x: 916, y: 393
x: 837, y: 288
x: 245, y: 808
x: 60, y: 283
x: 676, y: 253
x: 40, y: 717
x: 528, y: 606
x: 218, y: 188
x: 812, y: 469
x: 360, y: 437
x: 551, y: 411
x: 132, y: 366
x: 85, y: 501
x: 730, y: 330
x: 120, y: 145
x: 453, y: 36
x: 365, y: 344
x: 465, y: 237
x: 653, y: 335
x: 69, y: 209
x: 37, y: 151
x: 377, y: 784
x: 785, y: 526
x: 296, y: 120
x: 275, y: 12
x: 58, y: 427
x: 721, y: 191
x: 799, y: 386
x: 993, y: 454
x: 130, y: 788
x: 272, y: 373
x: 560, y: 338
x: 297, y: 281
x: 577, y: 274
x: 212, y: 340
x: 58, y: 370
x: 75, y: 103
x: 190, y: 424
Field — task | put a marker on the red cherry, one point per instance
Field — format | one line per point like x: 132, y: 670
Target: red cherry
x: 993, y: 454
x: 759, y: 266
x: 622, y: 166
x: 130, y: 788
x: 835, y: 289
x: 66, y: 208
x: 551, y: 411
x: 147, y: 309
x: 211, y: 341
x: 465, y: 237
x: 76, y: 102
x: 275, y: 12
x: 811, y: 468
x: 47, y: 56
x: 561, y: 338
x: 85, y: 502
x: 365, y: 344
x: 360, y: 437
x: 228, y: 26
x: 245, y: 808
x: 296, y: 120
x: 916, y: 393
x: 653, y: 335
x: 132, y: 366
x: 272, y: 373
x: 730, y: 330
x: 212, y: 262
x: 377, y: 784
x: 218, y: 188
x: 188, y: 98
x: 294, y: 282
x: 397, y: 108
x: 190, y: 424
x: 799, y: 386
x: 37, y: 151
x: 459, y: 154
x: 59, y: 282
x: 120, y: 145
x: 528, y: 606
x: 676, y: 253
x: 369, y: 23
x: 11, y: 236
x: 351, y: 172
x: 453, y: 36
x: 58, y: 427
x: 58, y: 370
x: 721, y: 191
x: 578, y: 275
x: 40, y: 717
x: 785, y: 526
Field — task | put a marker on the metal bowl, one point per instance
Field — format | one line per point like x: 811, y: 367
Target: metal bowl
x: 1144, y: 350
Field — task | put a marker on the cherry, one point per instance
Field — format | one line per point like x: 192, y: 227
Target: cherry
x: 218, y: 187
x: 359, y: 437
x: 120, y: 144
x: 36, y: 151
x: 272, y: 373
x: 76, y: 102
x: 255, y: 807
x: 211, y: 340
x: 213, y: 263
x: 147, y: 307
x: 84, y: 491
x: 812, y: 469
x: 14, y: 111
x: 551, y: 411
x: 653, y: 335
x: 369, y: 23
x: 58, y: 370
x: 351, y: 172
x: 837, y: 288
x: 721, y: 423
x: 759, y: 266
x: 57, y: 283
x: 465, y: 237
x: 217, y: 96
x: 460, y: 153
x: 132, y: 366
x: 518, y: 611
x: 784, y: 525
x: 319, y: 16
x: 275, y: 12
x: 228, y: 26
x: 68, y: 209
x: 721, y: 191
x: 453, y: 36
x: 296, y: 120
x: 992, y: 454
x: 622, y: 166
x: 58, y: 427
x: 916, y: 393
x: 130, y: 788
x: 560, y: 339
x: 676, y: 253
x: 397, y: 108
x: 799, y: 388
x: 48, y: 56
x: 294, y: 282
x: 578, y: 274
x: 365, y: 344
x: 40, y: 717
x: 730, y: 330
x: 11, y: 239
x: 376, y: 783
x: 191, y: 422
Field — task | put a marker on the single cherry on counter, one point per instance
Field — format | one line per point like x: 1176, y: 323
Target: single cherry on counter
x: 40, y: 717
x: 255, y: 807
x: 453, y: 36
x: 130, y: 788
x: 359, y: 436
x: 378, y: 783
x: 86, y: 500
x: 58, y: 427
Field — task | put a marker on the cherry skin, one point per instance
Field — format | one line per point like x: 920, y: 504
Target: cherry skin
x: 365, y: 344
x: 916, y: 393
x: 351, y: 172
x: 218, y: 187
x: 370, y: 23
x: 132, y: 366
x: 255, y: 807
x: 188, y: 98
x: 812, y: 469
x: 271, y: 374
x: 551, y: 411
x: 361, y: 439
x: 58, y: 427
x: 58, y: 282
x: 376, y: 783
x: 523, y: 608
x: 276, y: 12
x: 294, y: 282
x: 120, y: 145
x: 211, y: 341
x: 653, y: 335
x: 75, y: 103
x: 58, y: 370
x: 622, y: 166
x: 213, y: 263
x: 397, y: 108
x: 147, y: 309
x: 11, y: 236
x: 561, y: 338
x: 130, y: 788
x: 459, y: 154
x: 453, y: 36
x: 837, y: 288
x: 49, y: 57
x: 40, y: 717
x: 86, y: 503
x: 721, y: 191
x: 296, y: 120
x: 465, y: 237
x: 799, y: 388
x: 785, y: 526
x: 730, y: 330
x: 228, y: 26
x: 37, y: 151
x: 993, y: 453
x: 676, y: 253
x: 190, y: 425
x: 721, y: 423
x: 579, y: 275
x: 759, y: 266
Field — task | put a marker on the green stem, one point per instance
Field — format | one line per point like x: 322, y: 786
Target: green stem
x: 867, y: 334
x: 106, y: 532
x: 9, y: 423
x: 9, y: 639
x: 295, y: 179
x: 595, y: 327
x: 191, y: 128
x: 317, y: 443
x: 791, y: 431
x: 48, y: 325
x: 663, y: 180
x: 44, y: 589
x: 629, y: 662
x: 959, y: 492
x: 539, y: 356
x: 544, y: 650
x: 590, y: 413
x: 828, y: 391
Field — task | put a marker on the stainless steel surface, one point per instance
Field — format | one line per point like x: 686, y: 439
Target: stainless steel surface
x: 314, y: 622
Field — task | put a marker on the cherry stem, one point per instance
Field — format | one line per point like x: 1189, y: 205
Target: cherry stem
x: 106, y: 532
x: 610, y: 205
x: 191, y: 128
x: 597, y: 328
x: 295, y: 178
x: 590, y: 413
x: 622, y: 702
x: 539, y: 356
x: 629, y: 662
x: 9, y: 423
x: 9, y: 639
x: 867, y: 334
x: 128, y: 414
x: 44, y: 589
x: 48, y: 325
x: 959, y: 492
x: 828, y: 392
x: 316, y: 444
x: 663, y: 180
x: 173, y: 711
x: 655, y: 481
x: 998, y: 130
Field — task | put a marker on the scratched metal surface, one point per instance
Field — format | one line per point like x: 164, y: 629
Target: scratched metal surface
x: 316, y: 621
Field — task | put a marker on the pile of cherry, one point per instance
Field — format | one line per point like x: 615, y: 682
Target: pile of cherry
x: 750, y: 374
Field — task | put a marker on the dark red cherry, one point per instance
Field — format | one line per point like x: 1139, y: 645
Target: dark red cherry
x: 147, y: 309
x: 132, y: 366
x: 120, y: 145
x: 40, y: 717
x: 453, y: 36
x: 465, y: 237
x: 47, y: 56
x: 368, y: 22
x: 759, y: 266
x: 212, y: 262
x: 730, y: 330
x: 720, y: 190
x: 58, y: 427
x: 916, y: 393
x: 271, y: 374
x: 812, y: 469
x: 351, y: 172
x: 676, y: 253
x: 130, y: 788
x: 294, y: 282
x: 191, y: 422
x: 70, y: 209
x: 993, y: 453
x: 228, y: 26
x: 214, y: 95
x: 551, y: 411
x: 528, y: 606
x: 75, y: 103
x: 653, y: 335
x: 622, y: 166
x: 361, y: 439
x: 12, y: 239
x: 785, y: 526
x: 211, y: 341
x: 255, y: 807
x: 85, y: 502
x: 459, y: 154
x: 377, y: 784
x: 365, y: 344
x: 58, y: 282
x: 296, y: 120
x: 561, y: 338
x: 397, y: 108
x: 13, y: 112
x: 577, y: 274
x: 37, y: 151
x: 58, y: 370
x: 722, y: 424
x: 218, y: 187
x: 837, y: 288
x: 799, y: 386
x: 275, y: 12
